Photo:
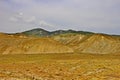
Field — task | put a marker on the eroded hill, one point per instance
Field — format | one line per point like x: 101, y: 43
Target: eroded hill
x: 97, y: 44
x: 12, y: 44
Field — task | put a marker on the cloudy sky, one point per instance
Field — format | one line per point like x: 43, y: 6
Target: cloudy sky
x: 87, y: 15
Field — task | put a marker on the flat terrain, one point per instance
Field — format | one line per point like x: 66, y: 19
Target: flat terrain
x: 60, y: 67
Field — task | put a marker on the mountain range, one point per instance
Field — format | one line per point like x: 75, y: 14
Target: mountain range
x: 40, y: 41
x: 38, y: 32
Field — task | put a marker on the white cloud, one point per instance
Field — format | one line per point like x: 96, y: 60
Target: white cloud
x: 13, y: 19
x: 45, y: 24
x: 21, y: 14
x: 30, y: 19
x: 22, y: 1
x: 27, y: 19
x: 20, y: 17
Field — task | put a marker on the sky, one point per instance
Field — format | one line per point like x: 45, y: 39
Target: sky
x: 101, y: 16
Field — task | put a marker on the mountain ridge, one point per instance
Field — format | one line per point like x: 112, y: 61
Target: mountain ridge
x: 41, y: 32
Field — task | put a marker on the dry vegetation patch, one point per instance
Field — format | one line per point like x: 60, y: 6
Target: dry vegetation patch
x: 60, y: 67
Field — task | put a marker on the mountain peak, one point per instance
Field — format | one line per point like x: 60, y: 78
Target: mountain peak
x: 37, y: 32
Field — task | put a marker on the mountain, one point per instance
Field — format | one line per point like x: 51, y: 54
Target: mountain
x: 58, y: 32
x: 38, y: 32
x: 12, y: 44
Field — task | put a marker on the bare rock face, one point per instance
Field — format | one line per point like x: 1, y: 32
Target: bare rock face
x: 29, y: 45
x: 99, y: 44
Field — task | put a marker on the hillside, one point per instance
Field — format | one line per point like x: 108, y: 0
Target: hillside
x: 61, y: 41
x: 12, y: 44
x: 99, y: 44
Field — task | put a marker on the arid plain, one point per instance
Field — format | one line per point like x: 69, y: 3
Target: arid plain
x: 60, y: 67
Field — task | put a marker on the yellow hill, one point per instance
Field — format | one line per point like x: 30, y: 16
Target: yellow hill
x: 99, y: 44
x: 12, y: 44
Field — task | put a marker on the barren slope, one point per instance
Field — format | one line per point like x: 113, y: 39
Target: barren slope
x: 99, y: 44
x: 10, y: 44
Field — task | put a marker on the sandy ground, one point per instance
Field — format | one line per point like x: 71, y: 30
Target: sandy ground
x: 59, y: 69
